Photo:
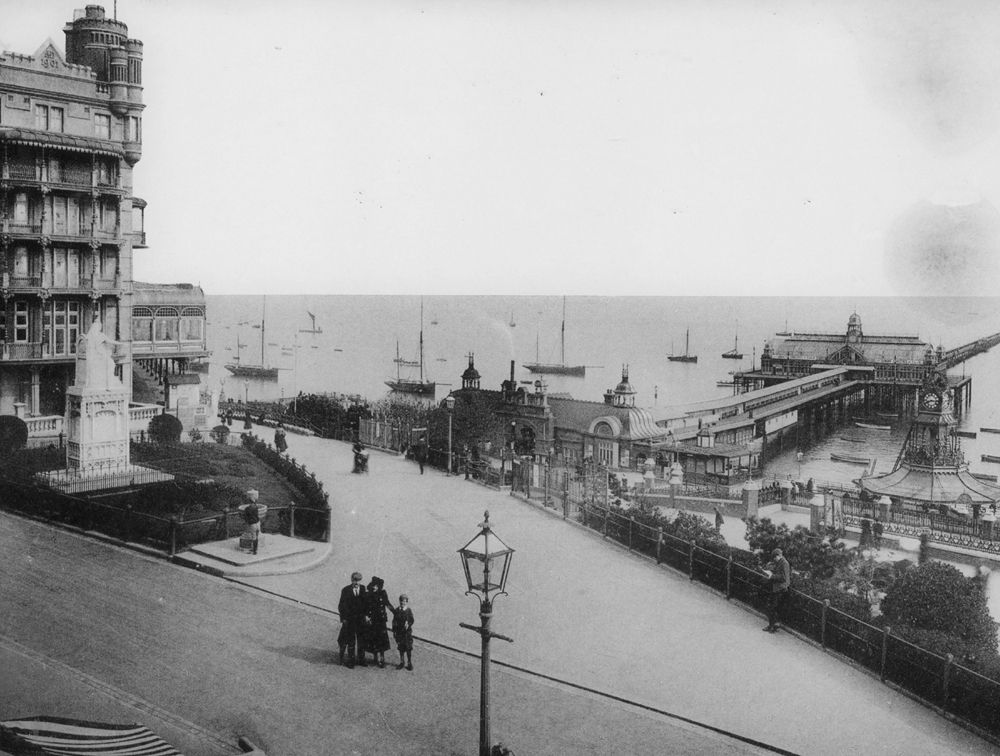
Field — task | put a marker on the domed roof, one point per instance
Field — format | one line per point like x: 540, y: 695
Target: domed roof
x: 624, y: 387
x: 470, y: 373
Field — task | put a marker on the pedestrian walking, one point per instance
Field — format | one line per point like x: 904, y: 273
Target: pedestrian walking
x: 402, y: 631
x: 280, y: 442
x: 779, y: 580
x: 421, y: 454
x: 877, y: 533
x: 719, y: 520
x: 376, y: 635
x: 351, y: 608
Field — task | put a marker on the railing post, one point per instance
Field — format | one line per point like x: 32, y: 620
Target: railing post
x: 885, y: 651
x: 173, y: 535
x: 691, y: 559
x: 659, y: 543
x: 291, y: 520
x: 631, y: 522
x: 949, y: 660
x: 604, y: 532
x: 822, y: 622
x: 729, y: 575
x: 128, y: 522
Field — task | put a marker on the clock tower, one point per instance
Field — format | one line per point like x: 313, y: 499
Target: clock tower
x: 931, y: 439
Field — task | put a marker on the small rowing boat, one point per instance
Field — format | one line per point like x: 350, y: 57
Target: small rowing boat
x: 873, y: 426
x: 989, y: 430
x: 984, y: 476
x: 990, y: 458
x: 965, y: 434
x: 850, y: 458
x: 852, y: 440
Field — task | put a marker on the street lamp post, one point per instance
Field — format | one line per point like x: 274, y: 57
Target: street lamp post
x: 486, y: 560
x: 450, y: 404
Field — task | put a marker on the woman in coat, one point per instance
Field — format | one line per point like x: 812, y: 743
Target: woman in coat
x: 376, y: 634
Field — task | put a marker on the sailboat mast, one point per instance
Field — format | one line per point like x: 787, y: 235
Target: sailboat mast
x: 263, y: 311
x: 421, y: 340
x: 562, y: 336
x: 687, y: 336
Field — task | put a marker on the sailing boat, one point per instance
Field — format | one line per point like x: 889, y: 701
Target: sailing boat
x: 314, y: 328
x: 242, y: 369
x: 734, y: 353
x: 687, y: 356
x: 560, y: 368
x: 420, y: 386
x: 512, y: 324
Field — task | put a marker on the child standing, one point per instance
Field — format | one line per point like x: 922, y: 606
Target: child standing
x: 402, y: 631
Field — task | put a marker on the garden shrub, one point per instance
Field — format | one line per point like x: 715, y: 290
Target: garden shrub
x: 13, y: 434
x: 165, y: 429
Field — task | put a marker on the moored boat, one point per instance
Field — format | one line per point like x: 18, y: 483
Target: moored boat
x: 850, y: 458
x: 984, y: 476
x: 419, y: 386
x: 990, y: 458
x: 989, y: 430
x: 687, y: 356
x: 244, y: 370
x: 555, y: 368
x: 873, y: 426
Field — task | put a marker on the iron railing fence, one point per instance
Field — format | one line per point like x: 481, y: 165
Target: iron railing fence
x: 937, y: 680
x: 170, y: 533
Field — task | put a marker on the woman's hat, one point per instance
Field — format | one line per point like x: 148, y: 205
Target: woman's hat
x: 377, y: 582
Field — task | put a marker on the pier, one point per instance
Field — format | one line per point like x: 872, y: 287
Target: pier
x: 960, y: 354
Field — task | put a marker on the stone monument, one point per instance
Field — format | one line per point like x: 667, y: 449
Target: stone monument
x: 97, y: 423
x: 96, y: 408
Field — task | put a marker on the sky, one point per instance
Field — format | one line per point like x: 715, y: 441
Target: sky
x: 629, y: 147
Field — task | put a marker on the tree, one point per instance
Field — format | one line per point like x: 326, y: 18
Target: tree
x: 165, y: 429
x: 13, y: 434
x: 935, y: 599
x: 815, y: 556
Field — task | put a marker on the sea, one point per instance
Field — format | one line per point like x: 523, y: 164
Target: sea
x: 347, y: 344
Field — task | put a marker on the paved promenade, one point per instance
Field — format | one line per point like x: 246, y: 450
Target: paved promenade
x: 93, y: 631
x: 587, y: 611
x: 119, y: 636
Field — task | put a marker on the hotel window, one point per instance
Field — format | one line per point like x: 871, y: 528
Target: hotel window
x: 142, y: 324
x: 48, y: 118
x: 20, y: 320
x: 109, y: 260
x: 61, y: 326
x: 102, y: 126
x: 22, y: 262
x: 21, y: 208
x: 134, y: 125
x: 191, y: 324
x: 3, y: 324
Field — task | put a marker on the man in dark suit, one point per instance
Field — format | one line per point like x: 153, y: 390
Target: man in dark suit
x: 352, y: 613
x: 779, y: 580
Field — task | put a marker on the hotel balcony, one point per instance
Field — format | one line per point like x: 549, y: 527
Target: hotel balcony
x: 71, y: 178
x: 85, y: 286
x: 40, y: 351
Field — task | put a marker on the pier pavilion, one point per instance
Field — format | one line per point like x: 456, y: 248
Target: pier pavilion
x: 898, y: 365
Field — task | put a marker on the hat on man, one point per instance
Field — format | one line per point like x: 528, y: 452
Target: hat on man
x: 776, y: 553
x: 355, y: 576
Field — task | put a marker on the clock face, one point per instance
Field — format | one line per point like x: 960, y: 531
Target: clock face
x: 932, y: 400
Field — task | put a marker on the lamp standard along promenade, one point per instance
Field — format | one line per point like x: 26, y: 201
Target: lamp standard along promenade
x: 450, y: 404
x: 486, y: 560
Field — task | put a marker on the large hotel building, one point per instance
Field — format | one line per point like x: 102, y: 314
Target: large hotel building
x: 71, y: 136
